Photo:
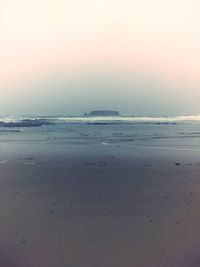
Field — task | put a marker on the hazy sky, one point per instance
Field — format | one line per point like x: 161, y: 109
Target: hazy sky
x: 63, y: 56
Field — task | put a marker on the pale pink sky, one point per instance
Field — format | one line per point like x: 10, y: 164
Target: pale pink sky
x: 41, y: 36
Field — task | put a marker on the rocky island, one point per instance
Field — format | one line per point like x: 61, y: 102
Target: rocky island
x: 102, y: 113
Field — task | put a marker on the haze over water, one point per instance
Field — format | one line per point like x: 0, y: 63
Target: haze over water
x: 139, y: 57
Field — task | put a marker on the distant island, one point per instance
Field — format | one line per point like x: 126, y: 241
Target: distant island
x: 102, y: 113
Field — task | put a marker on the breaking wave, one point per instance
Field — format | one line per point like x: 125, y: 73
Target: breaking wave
x: 16, y: 121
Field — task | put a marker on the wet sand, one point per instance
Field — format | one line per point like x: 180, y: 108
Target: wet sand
x: 99, y: 206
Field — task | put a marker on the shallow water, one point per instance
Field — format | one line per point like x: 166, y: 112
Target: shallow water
x: 170, y: 132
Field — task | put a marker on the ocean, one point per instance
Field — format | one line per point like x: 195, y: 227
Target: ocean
x: 175, y: 132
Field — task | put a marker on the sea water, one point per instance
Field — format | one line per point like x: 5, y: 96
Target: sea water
x: 170, y: 132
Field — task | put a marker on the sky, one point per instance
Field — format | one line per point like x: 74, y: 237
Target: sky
x: 68, y: 57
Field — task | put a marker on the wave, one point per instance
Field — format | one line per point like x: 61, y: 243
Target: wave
x: 16, y: 121
x: 25, y: 123
x: 130, y: 119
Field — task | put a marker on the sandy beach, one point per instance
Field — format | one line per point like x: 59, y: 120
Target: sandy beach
x: 98, y: 205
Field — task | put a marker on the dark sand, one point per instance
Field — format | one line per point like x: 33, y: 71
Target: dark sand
x: 98, y: 206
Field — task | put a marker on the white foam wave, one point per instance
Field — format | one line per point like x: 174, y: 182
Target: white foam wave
x: 107, y: 119
x: 131, y: 119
